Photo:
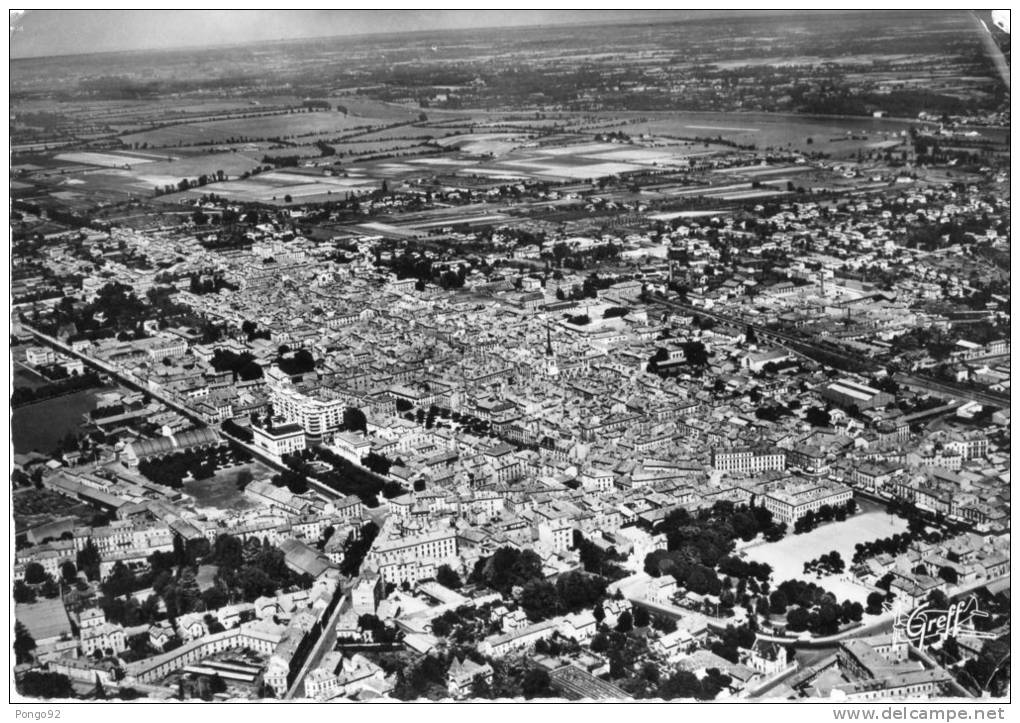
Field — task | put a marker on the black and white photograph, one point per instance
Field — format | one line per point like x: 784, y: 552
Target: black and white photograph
x: 525, y: 355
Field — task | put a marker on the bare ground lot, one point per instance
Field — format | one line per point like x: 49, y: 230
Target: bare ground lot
x: 787, y: 557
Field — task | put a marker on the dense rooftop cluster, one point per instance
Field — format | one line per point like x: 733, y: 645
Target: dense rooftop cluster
x: 578, y: 407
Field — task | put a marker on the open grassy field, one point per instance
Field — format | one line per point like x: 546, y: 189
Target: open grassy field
x: 401, y: 132
x: 273, y: 187
x: 581, y: 172
x: 766, y: 130
x: 123, y: 175
x: 389, y: 169
x: 287, y: 125
x: 756, y: 171
x: 310, y: 151
x: 105, y: 160
x: 585, y: 159
x: 361, y: 147
x: 578, y: 160
x: 223, y: 106
x: 370, y: 108
x: 434, y: 161
x: 787, y: 557
x: 669, y: 216
x: 757, y: 193
x: 110, y: 184
x: 483, y: 144
x: 500, y: 173
x: 232, y: 164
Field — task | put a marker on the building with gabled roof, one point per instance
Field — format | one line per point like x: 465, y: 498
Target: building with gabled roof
x: 462, y: 674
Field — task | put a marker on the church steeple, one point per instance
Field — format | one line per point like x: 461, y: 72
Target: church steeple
x: 548, y: 341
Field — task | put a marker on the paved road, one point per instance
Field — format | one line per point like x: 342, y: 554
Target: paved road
x: 325, y: 643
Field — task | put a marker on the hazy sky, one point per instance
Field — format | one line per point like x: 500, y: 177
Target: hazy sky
x: 69, y: 32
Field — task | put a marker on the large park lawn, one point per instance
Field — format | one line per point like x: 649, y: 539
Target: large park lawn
x: 787, y: 557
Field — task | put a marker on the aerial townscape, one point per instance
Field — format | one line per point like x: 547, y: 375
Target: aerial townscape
x: 659, y: 359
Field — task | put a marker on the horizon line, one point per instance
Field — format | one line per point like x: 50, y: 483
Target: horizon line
x: 643, y: 19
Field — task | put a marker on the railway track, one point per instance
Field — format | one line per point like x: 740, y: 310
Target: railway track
x: 818, y: 352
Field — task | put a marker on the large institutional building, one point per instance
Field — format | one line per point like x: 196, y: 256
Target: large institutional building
x: 791, y: 501
x: 846, y: 393
x: 747, y: 460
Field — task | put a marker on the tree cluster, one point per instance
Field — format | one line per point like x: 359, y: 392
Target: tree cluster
x: 243, y: 366
x: 248, y: 570
x: 170, y: 470
x: 507, y: 568
x: 894, y: 545
x: 301, y: 362
x: 830, y: 563
x: 40, y: 684
x: 346, y: 476
x: 573, y: 591
x: 729, y: 642
x: 809, y: 607
x: 710, y: 534
x: 466, y: 625
x: 356, y: 547
x: 598, y: 561
x: 684, y: 685
x: 826, y: 513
